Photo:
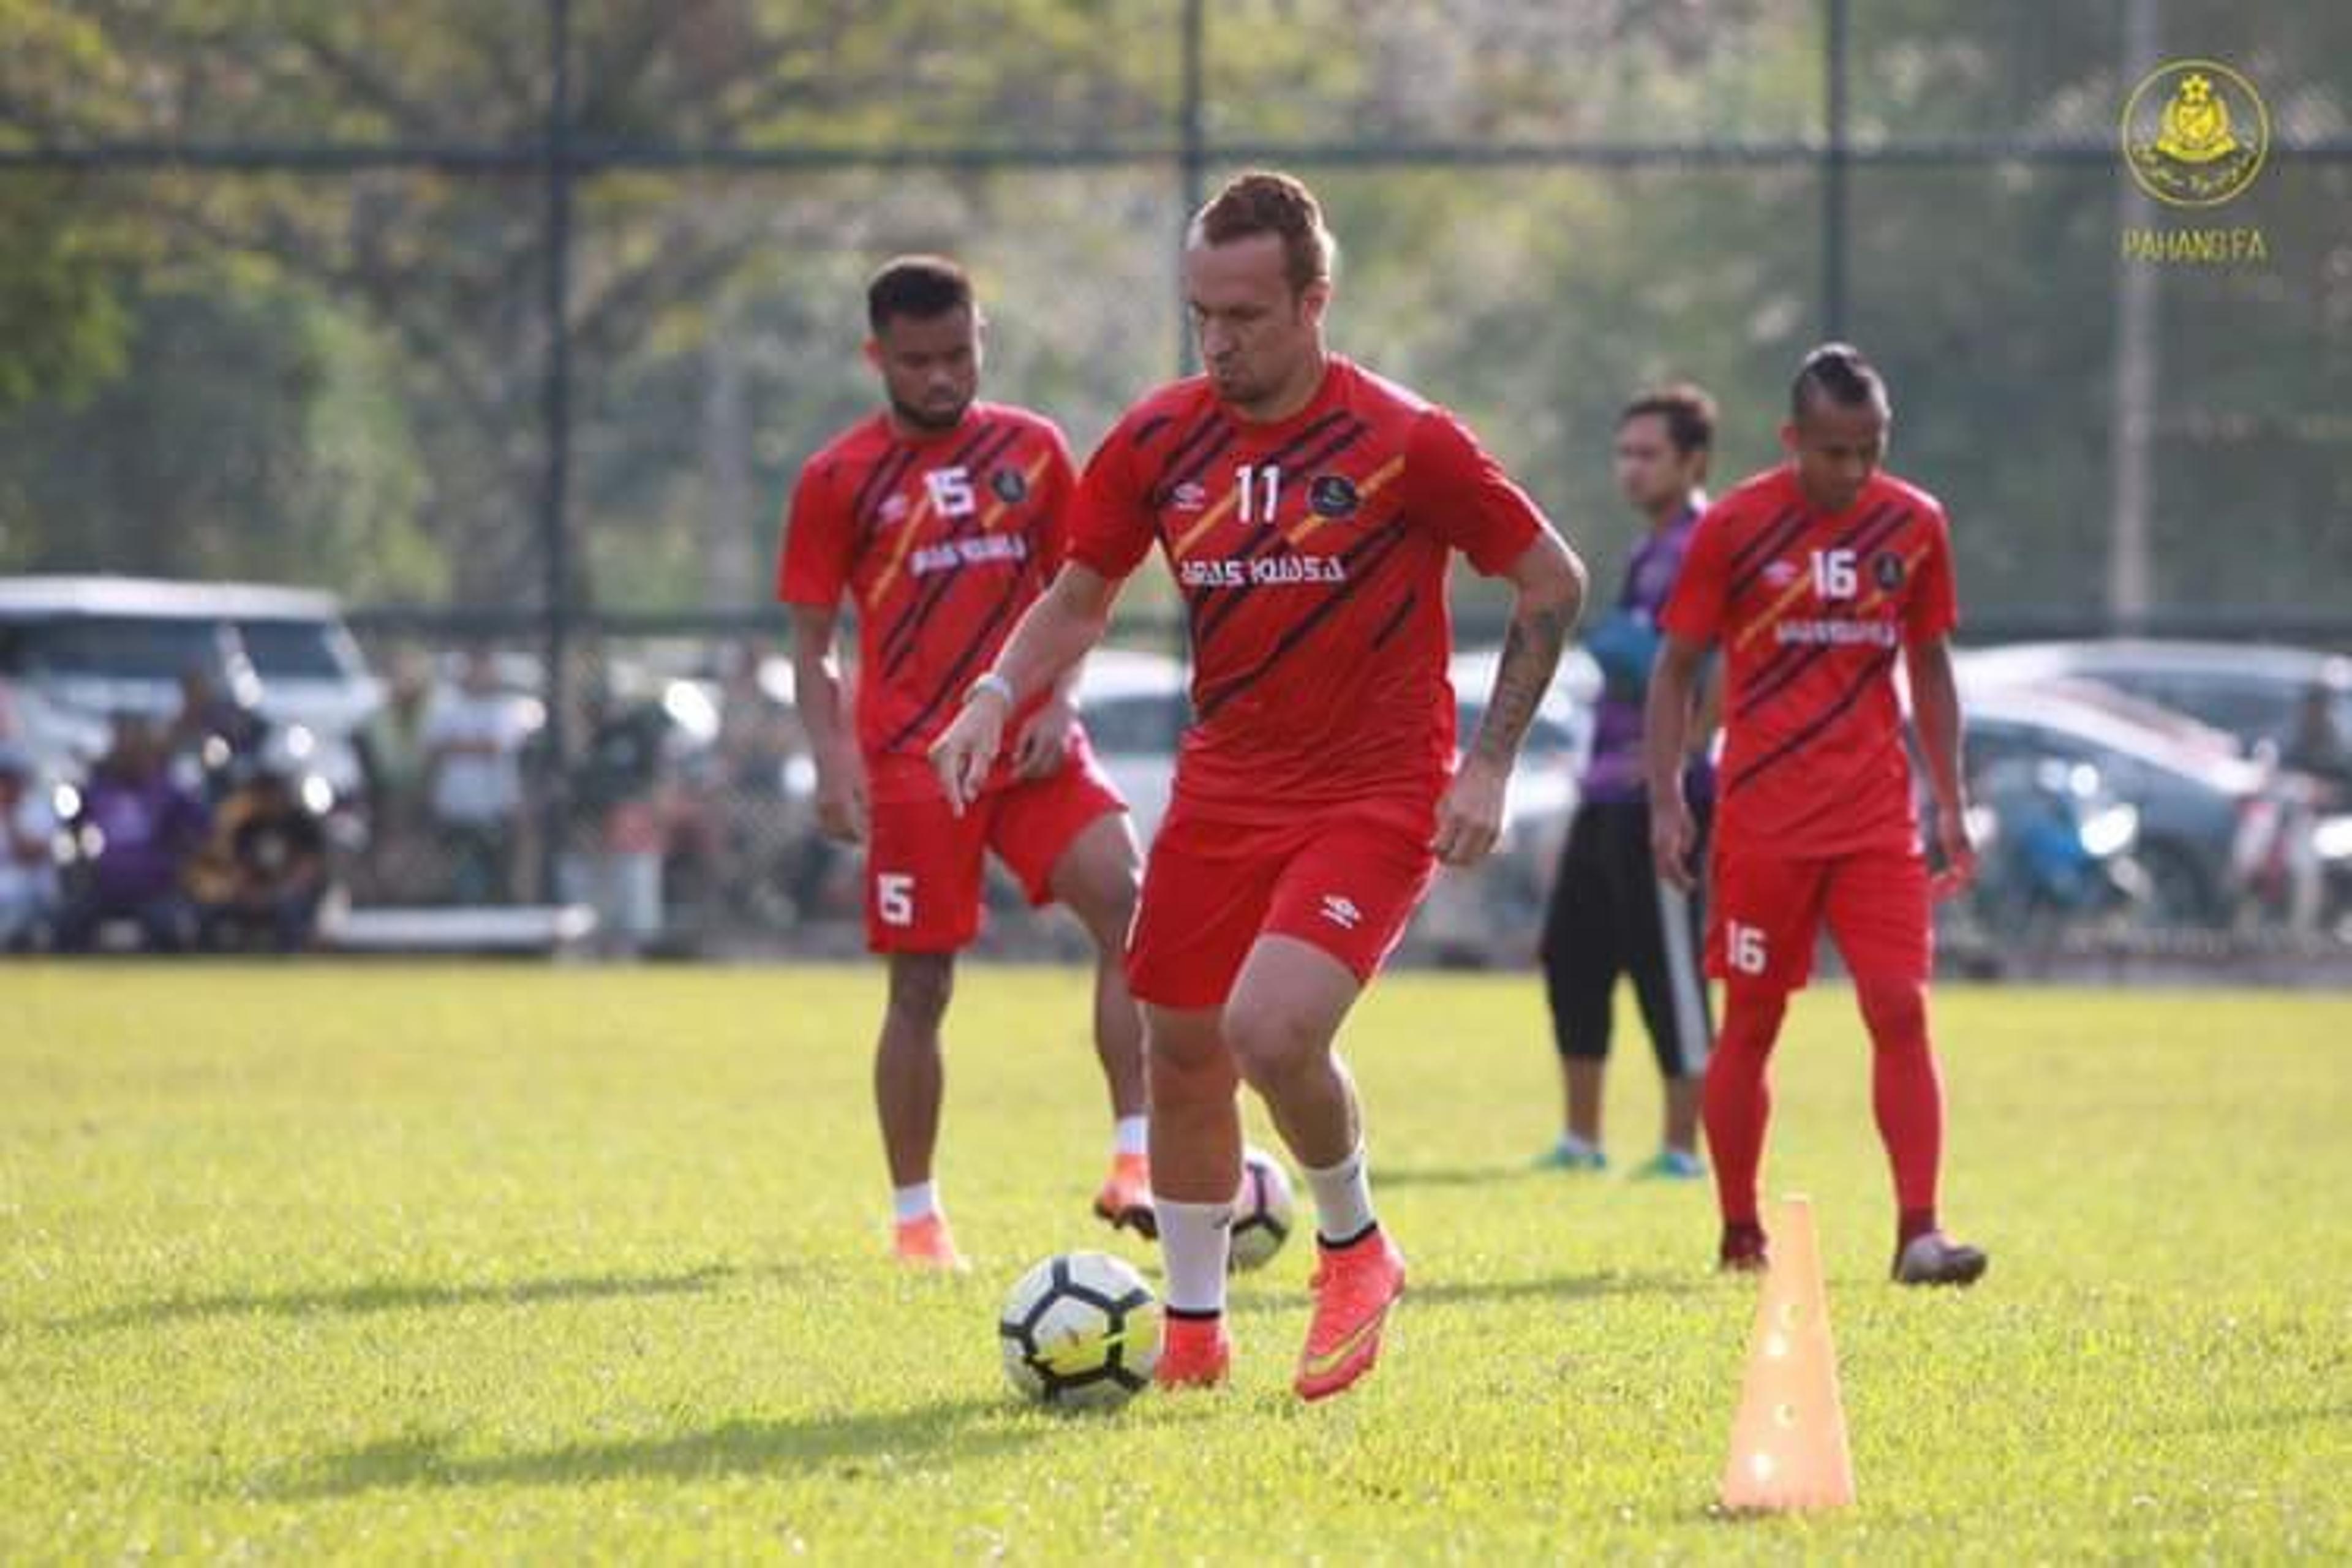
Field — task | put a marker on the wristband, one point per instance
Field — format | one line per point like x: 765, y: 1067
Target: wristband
x: 989, y: 681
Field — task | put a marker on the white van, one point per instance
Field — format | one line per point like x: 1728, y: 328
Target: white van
x: 85, y: 648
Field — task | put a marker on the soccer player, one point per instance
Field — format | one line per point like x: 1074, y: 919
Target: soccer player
x: 1309, y: 510
x: 1814, y: 576
x: 942, y: 517
x: 1611, y: 915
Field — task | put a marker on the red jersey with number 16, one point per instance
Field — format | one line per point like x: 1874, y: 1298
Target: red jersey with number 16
x: 942, y: 540
x: 1311, y: 553
x: 1812, y: 610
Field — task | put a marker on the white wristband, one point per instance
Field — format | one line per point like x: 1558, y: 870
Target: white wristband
x: 991, y: 681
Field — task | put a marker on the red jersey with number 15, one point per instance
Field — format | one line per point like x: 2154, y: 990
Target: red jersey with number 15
x: 942, y: 540
x: 1812, y: 610
x: 1311, y: 553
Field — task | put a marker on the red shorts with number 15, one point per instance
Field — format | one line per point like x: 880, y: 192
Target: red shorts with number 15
x: 925, y: 866
x: 1766, y: 911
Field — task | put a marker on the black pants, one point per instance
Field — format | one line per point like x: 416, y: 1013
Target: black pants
x: 1611, y: 916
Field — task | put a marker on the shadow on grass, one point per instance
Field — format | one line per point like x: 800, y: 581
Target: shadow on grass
x: 849, y: 1446
x: 385, y: 1296
x: 1451, y: 1292
x: 1386, y: 1176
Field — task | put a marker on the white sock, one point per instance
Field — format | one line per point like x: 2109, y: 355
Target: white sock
x: 1132, y: 1135
x: 910, y: 1203
x: 1570, y: 1143
x: 1193, y: 1242
x: 1343, y: 1198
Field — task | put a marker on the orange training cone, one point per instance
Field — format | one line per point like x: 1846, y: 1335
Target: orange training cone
x: 1788, y: 1441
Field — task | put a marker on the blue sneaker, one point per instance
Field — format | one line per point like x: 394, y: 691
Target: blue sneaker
x: 1572, y: 1154
x: 1671, y: 1165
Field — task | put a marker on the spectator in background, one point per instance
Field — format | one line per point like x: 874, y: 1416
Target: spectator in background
x: 28, y: 869
x: 474, y: 738
x: 392, y: 748
x: 138, y: 828
x: 262, y: 872
x: 211, y: 728
x: 2316, y: 746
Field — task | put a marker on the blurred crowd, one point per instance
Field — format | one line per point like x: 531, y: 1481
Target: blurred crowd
x: 683, y: 813
x: 2115, y: 798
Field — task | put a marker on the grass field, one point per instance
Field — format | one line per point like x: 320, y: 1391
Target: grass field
x: 404, y: 1262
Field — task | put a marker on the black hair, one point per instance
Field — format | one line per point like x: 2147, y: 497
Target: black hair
x: 1689, y: 413
x: 1838, y: 372
x: 921, y: 287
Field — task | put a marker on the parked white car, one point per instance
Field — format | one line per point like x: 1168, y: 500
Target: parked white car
x: 1492, y: 914
x: 87, y: 648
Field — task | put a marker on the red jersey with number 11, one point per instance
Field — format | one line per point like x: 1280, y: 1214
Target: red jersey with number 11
x: 1311, y: 553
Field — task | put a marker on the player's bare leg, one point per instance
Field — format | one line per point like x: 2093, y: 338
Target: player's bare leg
x: 908, y: 1080
x: 1738, y: 1106
x: 1281, y: 1020
x: 1196, y: 1163
x: 1907, y: 1097
x: 1096, y: 879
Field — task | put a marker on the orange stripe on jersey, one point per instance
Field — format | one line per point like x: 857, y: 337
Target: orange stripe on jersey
x: 906, y: 531
x: 1364, y: 492
x: 1208, y: 520
x: 1910, y: 564
x: 1029, y: 475
x: 1797, y: 589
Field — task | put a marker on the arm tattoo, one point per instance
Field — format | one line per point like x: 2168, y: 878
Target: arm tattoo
x: 1530, y: 654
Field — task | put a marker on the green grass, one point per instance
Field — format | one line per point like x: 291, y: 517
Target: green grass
x: 403, y: 1262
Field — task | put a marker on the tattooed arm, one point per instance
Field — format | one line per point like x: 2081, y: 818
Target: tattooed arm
x: 1549, y: 584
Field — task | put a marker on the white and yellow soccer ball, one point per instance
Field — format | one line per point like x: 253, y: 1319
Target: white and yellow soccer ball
x: 1262, y: 1211
x: 1080, y: 1331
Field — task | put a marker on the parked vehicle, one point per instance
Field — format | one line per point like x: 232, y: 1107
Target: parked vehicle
x: 1136, y: 704
x: 2056, y: 852
x: 75, y: 651
x: 2195, y: 801
x: 1492, y: 914
x: 2254, y: 692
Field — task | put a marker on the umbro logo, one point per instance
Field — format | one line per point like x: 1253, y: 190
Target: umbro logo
x: 1188, y: 497
x: 1342, y: 911
x: 1781, y: 573
x: 894, y: 507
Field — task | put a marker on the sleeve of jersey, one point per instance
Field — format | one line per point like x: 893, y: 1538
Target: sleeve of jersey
x: 1060, y: 487
x: 1110, y: 528
x: 1934, y: 607
x: 1694, y: 609
x: 819, y: 544
x: 1458, y: 490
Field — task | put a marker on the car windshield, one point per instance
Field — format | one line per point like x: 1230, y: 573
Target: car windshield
x: 112, y: 647
x: 297, y: 650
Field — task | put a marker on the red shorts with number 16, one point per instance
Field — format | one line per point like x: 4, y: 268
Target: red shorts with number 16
x: 1766, y: 911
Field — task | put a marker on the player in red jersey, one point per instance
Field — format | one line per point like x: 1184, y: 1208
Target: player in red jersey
x: 941, y: 518
x: 1308, y: 510
x: 1814, y: 576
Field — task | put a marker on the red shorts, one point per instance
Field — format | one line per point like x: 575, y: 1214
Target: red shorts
x: 925, y: 865
x: 1345, y: 880
x: 1764, y: 912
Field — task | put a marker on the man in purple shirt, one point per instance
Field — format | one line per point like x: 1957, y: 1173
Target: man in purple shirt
x: 1611, y: 915
x: 139, y: 828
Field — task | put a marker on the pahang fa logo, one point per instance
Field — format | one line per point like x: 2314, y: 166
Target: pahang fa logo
x: 2194, y: 135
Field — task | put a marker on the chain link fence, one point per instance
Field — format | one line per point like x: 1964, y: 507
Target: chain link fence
x: 511, y: 325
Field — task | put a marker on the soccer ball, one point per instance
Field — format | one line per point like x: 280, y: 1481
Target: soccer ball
x: 1262, y: 1211
x: 1081, y: 1331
